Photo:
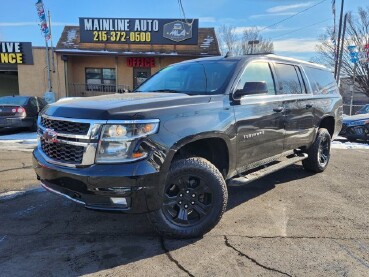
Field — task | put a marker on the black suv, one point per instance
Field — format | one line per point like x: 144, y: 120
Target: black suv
x: 171, y: 148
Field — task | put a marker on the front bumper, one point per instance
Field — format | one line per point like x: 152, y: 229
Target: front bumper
x: 132, y: 187
x: 359, y: 132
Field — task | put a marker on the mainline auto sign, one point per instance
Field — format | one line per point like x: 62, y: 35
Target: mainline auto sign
x: 138, y: 31
x: 16, y: 53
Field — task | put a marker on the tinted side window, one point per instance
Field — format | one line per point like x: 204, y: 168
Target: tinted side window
x: 41, y: 102
x: 258, y: 72
x: 33, y: 102
x: 288, y: 81
x: 321, y: 81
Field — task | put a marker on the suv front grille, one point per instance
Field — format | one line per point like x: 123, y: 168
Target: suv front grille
x: 67, y: 127
x: 64, y: 153
x: 69, y: 142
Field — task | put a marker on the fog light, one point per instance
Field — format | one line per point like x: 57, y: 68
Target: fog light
x: 119, y: 200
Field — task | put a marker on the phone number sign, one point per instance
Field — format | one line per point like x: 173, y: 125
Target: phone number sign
x: 138, y: 31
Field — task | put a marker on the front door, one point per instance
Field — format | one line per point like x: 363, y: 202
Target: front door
x: 259, y: 119
x: 140, y: 75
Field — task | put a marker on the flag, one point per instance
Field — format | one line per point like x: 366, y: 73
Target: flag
x: 43, y: 23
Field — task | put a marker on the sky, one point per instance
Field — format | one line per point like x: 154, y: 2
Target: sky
x: 294, y: 37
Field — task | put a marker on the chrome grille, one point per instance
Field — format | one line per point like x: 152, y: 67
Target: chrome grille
x: 64, y: 153
x: 67, y: 127
x: 67, y: 141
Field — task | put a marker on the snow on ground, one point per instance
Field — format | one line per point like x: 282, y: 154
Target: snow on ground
x: 349, y: 145
x: 21, y: 141
x: 19, y: 137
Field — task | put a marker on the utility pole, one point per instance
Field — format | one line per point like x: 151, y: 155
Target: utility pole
x: 252, y: 43
x: 49, y: 86
x: 341, y: 51
x: 338, y: 41
x: 51, y: 43
x: 352, y: 88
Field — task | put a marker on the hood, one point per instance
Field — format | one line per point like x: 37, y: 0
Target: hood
x: 121, y: 106
x: 355, y: 117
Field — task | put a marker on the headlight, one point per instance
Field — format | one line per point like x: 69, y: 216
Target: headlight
x: 119, y: 142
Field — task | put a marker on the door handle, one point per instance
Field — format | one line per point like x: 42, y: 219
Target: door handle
x: 309, y: 106
x: 278, y: 109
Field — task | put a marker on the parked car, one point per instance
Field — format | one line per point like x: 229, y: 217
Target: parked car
x: 363, y: 110
x: 20, y: 111
x: 171, y: 148
x: 356, y: 127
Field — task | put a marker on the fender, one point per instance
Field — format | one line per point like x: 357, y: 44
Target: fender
x: 229, y: 141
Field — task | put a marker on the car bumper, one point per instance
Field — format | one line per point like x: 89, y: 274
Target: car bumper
x: 360, y: 132
x: 131, y: 188
x: 15, y: 122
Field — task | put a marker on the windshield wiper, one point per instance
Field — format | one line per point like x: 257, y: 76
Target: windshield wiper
x: 167, y: 90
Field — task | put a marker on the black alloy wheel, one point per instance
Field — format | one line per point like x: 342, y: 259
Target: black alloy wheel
x: 187, y: 199
x: 324, y: 151
x: 319, y: 152
x: 194, y: 199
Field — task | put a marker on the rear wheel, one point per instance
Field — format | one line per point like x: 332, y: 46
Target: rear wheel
x: 319, y: 152
x: 195, y: 198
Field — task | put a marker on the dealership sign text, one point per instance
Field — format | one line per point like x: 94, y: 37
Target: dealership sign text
x: 16, y: 53
x: 138, y: 31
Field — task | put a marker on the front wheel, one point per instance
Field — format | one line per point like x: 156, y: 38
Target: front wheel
x: 194, y: 199
x: 319, y: 152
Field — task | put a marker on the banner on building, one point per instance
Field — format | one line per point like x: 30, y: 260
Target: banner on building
x: 16, y: 53
x: 43, y: 22
x: 138, y: 31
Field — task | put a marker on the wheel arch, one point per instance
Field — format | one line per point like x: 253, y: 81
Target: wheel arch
x: 216, y: 148
x: 328, y: 122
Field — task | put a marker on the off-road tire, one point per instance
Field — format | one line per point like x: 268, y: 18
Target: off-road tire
x: 213, y: 180
x: 314, y: 162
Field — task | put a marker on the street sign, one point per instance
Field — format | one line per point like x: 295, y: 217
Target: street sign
x: 359, y: 54
x: 354, y: 54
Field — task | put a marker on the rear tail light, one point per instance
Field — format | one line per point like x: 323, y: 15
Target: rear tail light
x: 20, y: 110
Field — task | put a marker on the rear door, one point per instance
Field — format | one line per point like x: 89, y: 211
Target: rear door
x: 259, y: 118
x: 298, y: 106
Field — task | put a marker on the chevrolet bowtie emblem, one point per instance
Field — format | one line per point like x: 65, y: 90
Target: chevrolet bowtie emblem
x: 50, y: 136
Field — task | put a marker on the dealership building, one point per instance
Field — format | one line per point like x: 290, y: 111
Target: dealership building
x: 103, y: 56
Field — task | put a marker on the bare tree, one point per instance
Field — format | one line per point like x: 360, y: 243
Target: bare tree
x: 228, y: 39
x: 249, y: 45
x: 357, y: 33
x: 236, y: 42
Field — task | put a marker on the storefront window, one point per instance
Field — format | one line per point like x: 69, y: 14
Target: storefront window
x: 100, y: 79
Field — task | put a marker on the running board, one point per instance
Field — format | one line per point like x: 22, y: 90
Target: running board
x: 240, y: 181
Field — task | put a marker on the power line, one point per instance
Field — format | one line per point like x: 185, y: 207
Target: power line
x: 302, y: 28
x: 184, y: 14
x: 287, y: 18
x: 182, y: 9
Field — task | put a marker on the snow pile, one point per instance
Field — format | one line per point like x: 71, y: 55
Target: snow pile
x: 25, y: 141
x: 207, y: 42
x: 71, y: 37
x: 349, y: 145
x: 26, y: 137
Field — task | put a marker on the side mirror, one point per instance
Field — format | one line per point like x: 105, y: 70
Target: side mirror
x: 251, y: 88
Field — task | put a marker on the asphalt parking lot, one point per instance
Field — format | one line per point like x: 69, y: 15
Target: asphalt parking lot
x: 291, y: 223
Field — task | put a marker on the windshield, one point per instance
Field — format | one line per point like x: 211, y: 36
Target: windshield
x: 10, y: 100
x: 203, y: 77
